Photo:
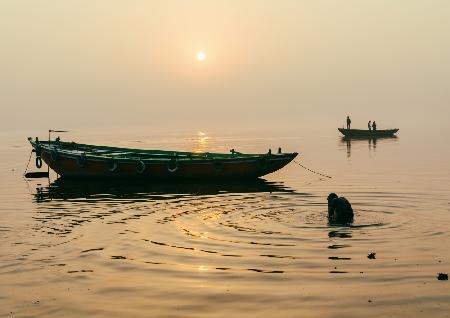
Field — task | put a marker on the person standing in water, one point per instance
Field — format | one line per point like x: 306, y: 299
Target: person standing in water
x: 368, y: 125
x: 374, y: 125
x: 349, y: 122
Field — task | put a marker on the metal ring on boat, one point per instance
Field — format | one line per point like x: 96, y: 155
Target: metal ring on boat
x: 55, y: 155
x: 172, y: 165
x: 140, y: 167
x: 81, y: 160
x: 38, y: 162
x: 113, y: 167
x: 38, y: 151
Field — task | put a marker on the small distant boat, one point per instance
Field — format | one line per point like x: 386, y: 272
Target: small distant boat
x: 74, y: 160
x: 365, y: 133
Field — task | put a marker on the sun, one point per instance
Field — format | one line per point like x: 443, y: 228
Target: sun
x: 201, y: 56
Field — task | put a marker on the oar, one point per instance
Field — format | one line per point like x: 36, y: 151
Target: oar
x: 57, y: 131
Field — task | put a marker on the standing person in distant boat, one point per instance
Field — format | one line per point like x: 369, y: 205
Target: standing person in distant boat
x: 349, y: 122
x: 368, y: 125
x: 374, y: 125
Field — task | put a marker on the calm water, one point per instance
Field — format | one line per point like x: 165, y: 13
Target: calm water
x: 260, y: 249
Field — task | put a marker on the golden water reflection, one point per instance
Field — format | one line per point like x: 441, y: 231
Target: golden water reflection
x: 202, y: 143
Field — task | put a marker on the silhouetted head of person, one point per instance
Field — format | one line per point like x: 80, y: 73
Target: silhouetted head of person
x: 331, y: 196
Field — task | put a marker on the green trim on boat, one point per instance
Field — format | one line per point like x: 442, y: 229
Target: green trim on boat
x: 119, y: 153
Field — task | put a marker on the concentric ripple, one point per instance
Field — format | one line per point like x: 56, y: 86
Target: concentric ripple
x: 265, y: 224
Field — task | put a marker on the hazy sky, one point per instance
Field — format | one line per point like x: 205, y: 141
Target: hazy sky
x: 99, y: 63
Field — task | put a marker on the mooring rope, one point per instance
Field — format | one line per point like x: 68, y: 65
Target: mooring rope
x: 29, y: 159
x: 312, y: 171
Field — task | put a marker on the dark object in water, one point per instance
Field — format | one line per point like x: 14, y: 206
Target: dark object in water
x: 371, y: 255
x: 442, y: 276
x: 339, y: 209
x: 36, y: 174
x: 364, y: 133
x: 73, y: 160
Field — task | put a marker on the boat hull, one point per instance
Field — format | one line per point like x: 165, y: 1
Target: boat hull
x: 361, y: 133
x: 70, y: 166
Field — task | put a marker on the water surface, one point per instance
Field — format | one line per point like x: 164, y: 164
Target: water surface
x: 253, y: 249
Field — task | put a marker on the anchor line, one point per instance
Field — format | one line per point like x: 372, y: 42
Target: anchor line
x: 312, y: 171
x: 29, y: 159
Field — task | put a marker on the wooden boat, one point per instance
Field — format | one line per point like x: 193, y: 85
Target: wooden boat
x: 364, y: 133
x: 74, y: 160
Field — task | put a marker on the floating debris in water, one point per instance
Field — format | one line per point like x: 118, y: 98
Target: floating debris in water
x: 442, y: 276
x: 371, y: 255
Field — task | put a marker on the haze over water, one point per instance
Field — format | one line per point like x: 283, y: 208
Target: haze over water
x: 106, y: 63
x: 274, y: 75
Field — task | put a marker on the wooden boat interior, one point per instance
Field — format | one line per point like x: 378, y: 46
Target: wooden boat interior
x: 129, y: 153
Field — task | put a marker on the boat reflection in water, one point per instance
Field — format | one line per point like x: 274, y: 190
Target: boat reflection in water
x: 66, y: 205
x: 371, y: 142
x: 67, y: 189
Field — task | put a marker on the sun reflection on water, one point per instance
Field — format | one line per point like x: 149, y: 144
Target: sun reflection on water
x: 201, y: 142
x: 202, y: 268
